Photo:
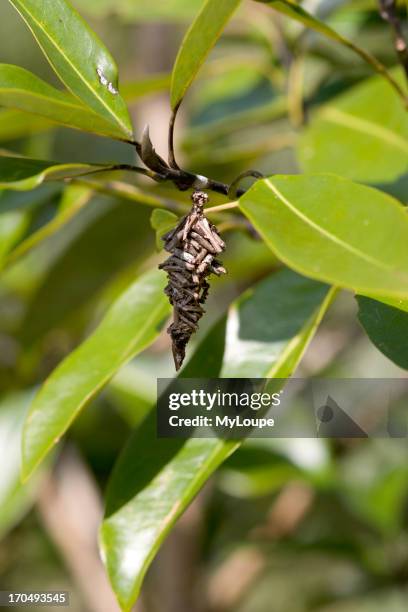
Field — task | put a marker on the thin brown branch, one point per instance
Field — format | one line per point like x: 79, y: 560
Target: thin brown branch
x: 389, y: 12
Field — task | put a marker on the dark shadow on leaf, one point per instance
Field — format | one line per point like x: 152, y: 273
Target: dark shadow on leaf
x: 277, y: 309
x: 145, y: 456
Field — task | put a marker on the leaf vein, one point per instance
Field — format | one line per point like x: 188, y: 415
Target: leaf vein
x: 318, y: 228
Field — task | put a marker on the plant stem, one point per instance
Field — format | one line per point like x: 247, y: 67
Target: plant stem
x: 128, y: 192
x: 172, y: 158
x: 221, y: 207
x: 388, y: 11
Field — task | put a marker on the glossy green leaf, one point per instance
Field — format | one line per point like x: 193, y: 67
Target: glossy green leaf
x: 394, y: 302
x: 15, y: 498
x: 22, y: 90
x: 78, y: 57
x: 16, y: 124
x: 197, y: 43
x: 269, y: 328
x: 387, y: 328
x: 357, y: 138
x: 162, y: 221
x: 334, y: 230
x: 130, y: 325
x: 155, y: 480
x: 293, y: 10
x: 22, y: 173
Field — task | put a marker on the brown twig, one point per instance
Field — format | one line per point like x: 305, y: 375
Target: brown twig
x: 389, y: 12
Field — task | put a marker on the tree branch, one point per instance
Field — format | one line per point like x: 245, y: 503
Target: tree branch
x: 389, y: 12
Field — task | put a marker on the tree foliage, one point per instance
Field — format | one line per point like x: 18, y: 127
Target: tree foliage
x: 325, y: 121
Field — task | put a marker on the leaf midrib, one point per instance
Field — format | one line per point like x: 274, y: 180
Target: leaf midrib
x: 93, y: 91
x: 325, y: 233
x: 54, y: 97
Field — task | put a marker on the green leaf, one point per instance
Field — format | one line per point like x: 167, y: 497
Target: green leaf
x: 162, y: 221
x: 23, y: 174
x: 333, y: 230
x: 15, y: 498
x: 22, y: 90
x: 131, y: 324
x: 268, y: 329
x: 294, y: 11
x: 78, y: 57
x: 387, y: 328
x: 198, y: 42
x: 17, y: 124
x: 395, y: 303
x: 155, y: 480
x: 357, y: 138
x: 152, y: 484
x: 16, y: 212
x: 47, y: 230
x: 13, y: 224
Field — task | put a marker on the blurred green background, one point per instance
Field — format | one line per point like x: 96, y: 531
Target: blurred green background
x: 284, y: 526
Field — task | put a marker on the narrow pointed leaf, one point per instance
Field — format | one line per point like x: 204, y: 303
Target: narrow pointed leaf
x: 22, y: 90
x: 387, y: 328
x: 16, y: 212
x: 334, y: 230
x: 22, y: 173
x: 356, y: 138
x: 131, y: 324
x: 13, y: 224
x: 197, y: 44
x: 293, y: 10
x: 155, y: 480
x: 45, y: 231
x: 78, y: 57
